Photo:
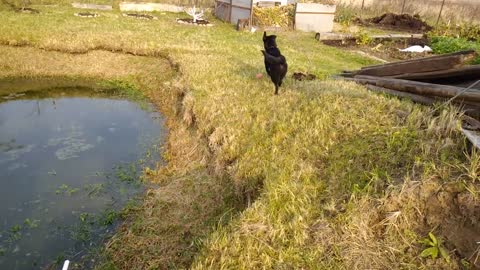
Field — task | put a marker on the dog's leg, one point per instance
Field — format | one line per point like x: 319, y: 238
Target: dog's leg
x: 276, y: 89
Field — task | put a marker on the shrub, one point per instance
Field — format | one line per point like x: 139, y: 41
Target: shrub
x: 344, y: 15
x: 469, y: 31
x: 281, y: 16
x: 442, y: 45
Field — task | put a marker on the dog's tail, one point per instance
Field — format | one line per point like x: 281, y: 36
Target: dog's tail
x: 274, y: 59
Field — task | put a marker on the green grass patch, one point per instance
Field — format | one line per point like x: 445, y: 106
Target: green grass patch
x: 441, y: 45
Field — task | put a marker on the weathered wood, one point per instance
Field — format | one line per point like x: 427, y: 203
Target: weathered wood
x: 464, y: 72
x: 469, y: 54
x: 468, y: 106
x: 426, y: 65
x: 420, y: 88
x: 470, y: 123
x: 473, y: 136
x: 416, y: 98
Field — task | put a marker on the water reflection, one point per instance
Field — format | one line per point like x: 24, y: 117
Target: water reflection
x: 67, y: 163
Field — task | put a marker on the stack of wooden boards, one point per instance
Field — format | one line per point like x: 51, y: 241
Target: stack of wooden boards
x: 426, y: 80
x: 429, y: 80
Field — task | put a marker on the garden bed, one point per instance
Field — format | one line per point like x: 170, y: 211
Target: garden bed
x: 140, y: 16
x: 402, y: 22
x: 191, y: 22
x: 385, y: 49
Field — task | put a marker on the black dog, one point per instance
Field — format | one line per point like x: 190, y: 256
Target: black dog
x: 275, y: 62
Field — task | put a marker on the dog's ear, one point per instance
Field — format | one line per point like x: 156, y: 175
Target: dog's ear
x: 264, y: 35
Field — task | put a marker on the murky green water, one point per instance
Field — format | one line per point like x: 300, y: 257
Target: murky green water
x: 69, y: 161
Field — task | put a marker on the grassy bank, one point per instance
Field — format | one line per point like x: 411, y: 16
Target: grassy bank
x: 324, y: 176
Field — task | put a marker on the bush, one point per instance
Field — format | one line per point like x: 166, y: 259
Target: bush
x: 281, y: 16
x: 344, y: 15
x: 442, y: 45
x: 469, y: 31
x: 362, y: 38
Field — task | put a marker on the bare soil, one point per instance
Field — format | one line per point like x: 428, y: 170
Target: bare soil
x: 402, y: 22
x: 190, y: 21
x: 386, y: 49
x: 449, y: 208
x: 140, y: 16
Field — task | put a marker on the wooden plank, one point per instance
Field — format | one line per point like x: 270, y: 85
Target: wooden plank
x: 416, y: 98
x: 421, y: 88
x: 427, y: 65
x: 467, y: 72
x: 473, y: 136
x: 469, y: 54
x: 470, y: 123
x: 469, y: 106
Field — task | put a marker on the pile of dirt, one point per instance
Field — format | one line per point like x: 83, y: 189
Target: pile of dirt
x: 405, y: 22
x: 300, y: 76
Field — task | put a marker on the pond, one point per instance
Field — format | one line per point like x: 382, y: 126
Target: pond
x: 70, y: 160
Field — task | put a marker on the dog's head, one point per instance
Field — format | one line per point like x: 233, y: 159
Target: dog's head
x: 269, y: 41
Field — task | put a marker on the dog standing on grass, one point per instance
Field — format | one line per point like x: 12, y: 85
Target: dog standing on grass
x: 275, y: 62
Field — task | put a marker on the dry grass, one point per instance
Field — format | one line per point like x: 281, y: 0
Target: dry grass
x: 335, y: 177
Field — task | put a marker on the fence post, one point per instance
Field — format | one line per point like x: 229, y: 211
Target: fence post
x: 251, y: 15
x: 230, y: 12
x: 440, y: 13
x: 403, y: 6
x: 363, y: 5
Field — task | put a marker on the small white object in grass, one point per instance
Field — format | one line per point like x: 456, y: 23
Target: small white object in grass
x: 65, y: 265
x: 193, y: 12
x: 253, y: 29
x: 417, y: 49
